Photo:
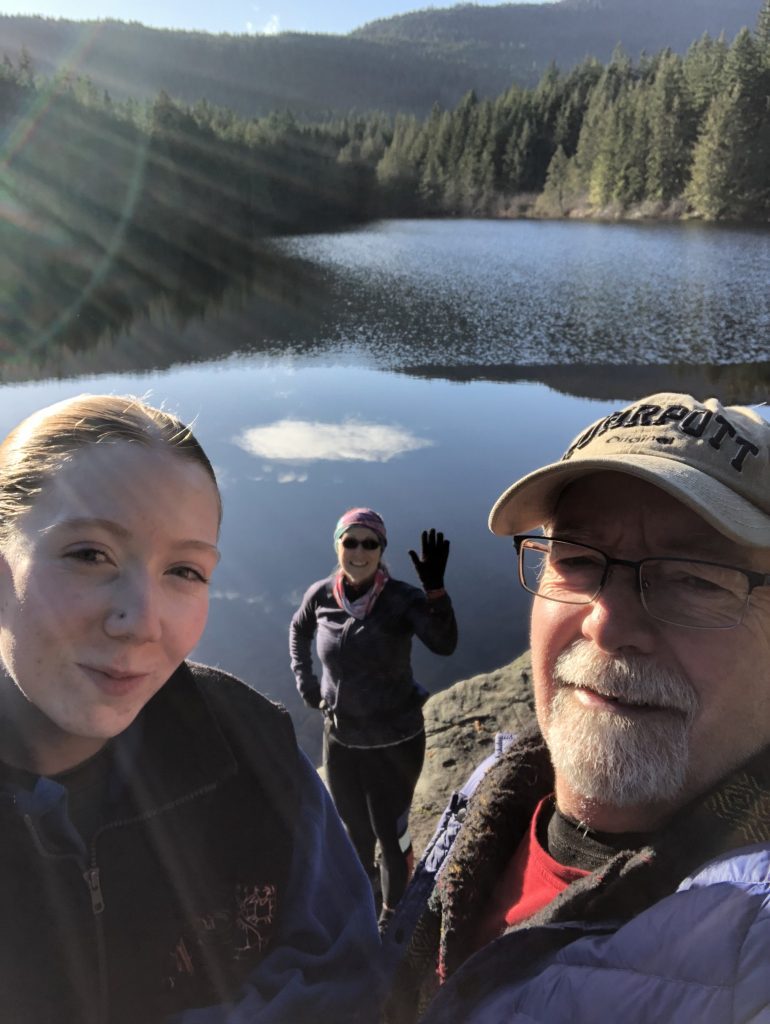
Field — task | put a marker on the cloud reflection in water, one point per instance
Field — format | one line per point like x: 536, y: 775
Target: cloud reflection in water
x: 351, y: 440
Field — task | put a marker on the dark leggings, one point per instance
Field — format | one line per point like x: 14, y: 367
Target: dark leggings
x: 372, y: 790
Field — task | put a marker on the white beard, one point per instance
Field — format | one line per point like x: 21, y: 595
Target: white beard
x: 615, y: 758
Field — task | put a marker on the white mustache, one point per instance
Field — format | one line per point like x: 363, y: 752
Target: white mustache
x: 632, y: 679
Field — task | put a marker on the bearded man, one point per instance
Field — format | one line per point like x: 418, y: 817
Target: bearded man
x: 614, y: 864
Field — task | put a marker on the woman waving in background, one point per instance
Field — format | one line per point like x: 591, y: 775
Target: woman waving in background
x: 167, y: 851
x: 374, y: 732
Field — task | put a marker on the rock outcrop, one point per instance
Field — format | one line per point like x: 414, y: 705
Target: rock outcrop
x: 460, y: 725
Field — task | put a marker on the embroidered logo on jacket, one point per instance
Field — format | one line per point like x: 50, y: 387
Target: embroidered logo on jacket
x: 255, y: 915
x: 223, y: 936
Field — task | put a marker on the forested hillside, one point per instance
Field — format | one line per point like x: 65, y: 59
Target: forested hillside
x: 399, y: 65
x: 311, y: 75
x: 667, y: 135
x: 534, y: 35
x: 106, y: 206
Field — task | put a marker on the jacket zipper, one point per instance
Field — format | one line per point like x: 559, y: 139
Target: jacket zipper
x: 91, y: 876
x: 93, y: 881
x: 343, y: 639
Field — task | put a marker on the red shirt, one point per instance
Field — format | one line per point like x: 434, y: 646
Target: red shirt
x: 530, y: 881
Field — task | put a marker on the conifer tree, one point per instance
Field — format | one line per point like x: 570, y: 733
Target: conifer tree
x: 702, y: 70
x: 431, y: 155
x: 576, y: 90
x: 763, y: 31
x: 596, y: 132
x: 712, y: 188
x: 630, y: 185
x: 430, y: 189
x: 396, y: 171
x: 611, y: 138
x: 672, y: 129
x: 555, y: 196
x: 26, y: 69
x: 517, y: 160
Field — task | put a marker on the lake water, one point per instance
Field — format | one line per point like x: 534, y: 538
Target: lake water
x: 418, y: 367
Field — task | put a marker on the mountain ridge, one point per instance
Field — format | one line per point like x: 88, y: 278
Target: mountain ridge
x: 403, y: 64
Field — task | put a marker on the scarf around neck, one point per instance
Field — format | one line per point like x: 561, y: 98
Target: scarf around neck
x: 363, y: 605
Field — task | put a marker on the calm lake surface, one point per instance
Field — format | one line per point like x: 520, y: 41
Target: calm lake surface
x: 418, y: 367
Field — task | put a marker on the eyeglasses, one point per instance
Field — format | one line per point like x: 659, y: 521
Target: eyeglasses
x: 351, y: 543
x: 680, y: 591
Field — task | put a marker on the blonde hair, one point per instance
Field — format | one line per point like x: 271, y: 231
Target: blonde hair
x: 35, y: 449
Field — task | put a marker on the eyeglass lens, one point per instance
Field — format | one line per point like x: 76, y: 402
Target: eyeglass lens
x: 351, y: 543
x: 678, y: 591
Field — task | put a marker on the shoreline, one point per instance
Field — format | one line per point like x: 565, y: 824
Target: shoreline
x: 534, y: 207
x: 527, y: 206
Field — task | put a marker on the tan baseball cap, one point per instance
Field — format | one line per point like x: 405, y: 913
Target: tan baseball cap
x: 713, y: 458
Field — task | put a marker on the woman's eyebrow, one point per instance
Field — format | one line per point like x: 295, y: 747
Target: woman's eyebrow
x: 85, y: 522
x: 109, y: 525
x: 203, y: 545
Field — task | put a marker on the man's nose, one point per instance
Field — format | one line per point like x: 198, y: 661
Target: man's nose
x: 616, y: 620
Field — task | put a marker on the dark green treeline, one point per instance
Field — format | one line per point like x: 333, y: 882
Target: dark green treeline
x: 671, y: 134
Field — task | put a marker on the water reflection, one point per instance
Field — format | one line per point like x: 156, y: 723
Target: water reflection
x: 60, y: 324
x: 736, y: 384
x: 593, y: 310
x: 352, y: 439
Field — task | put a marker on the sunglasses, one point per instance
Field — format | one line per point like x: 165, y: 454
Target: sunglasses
x: 351, y: 543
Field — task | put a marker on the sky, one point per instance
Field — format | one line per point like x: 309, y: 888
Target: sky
x: 254, y: 16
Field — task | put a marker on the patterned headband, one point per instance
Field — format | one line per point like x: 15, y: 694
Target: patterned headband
x: 362, y: 517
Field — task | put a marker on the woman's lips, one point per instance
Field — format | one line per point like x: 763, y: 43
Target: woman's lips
x: 114, y: 682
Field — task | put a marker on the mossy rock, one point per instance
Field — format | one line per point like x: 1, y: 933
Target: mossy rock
x: 460, y: 725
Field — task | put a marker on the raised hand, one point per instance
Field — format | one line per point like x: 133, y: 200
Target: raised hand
x: 431, y: 564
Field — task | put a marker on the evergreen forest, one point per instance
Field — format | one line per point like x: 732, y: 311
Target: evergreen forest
x: 106, y: 205
x: 666, y: 135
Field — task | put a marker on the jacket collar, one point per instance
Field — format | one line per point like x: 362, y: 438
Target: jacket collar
x: 733, y: 814
x: 497, y: 818
x: 175, y: 747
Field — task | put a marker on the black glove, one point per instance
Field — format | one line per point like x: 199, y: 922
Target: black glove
x: 430, y: 566
x: 314, y: 699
